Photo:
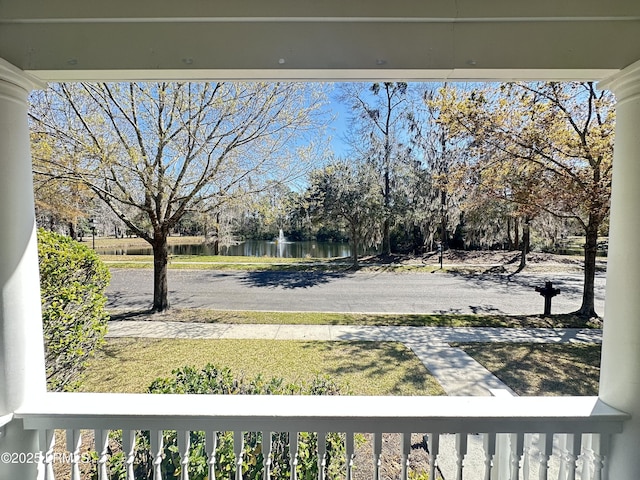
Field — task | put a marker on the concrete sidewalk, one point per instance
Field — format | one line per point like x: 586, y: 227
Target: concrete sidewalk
x: 457, y: 372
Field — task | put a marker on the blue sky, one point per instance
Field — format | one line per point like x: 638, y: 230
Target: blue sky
x: 339, y: 125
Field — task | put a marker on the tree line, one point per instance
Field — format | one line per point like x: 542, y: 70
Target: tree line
x: 477, y: 166
x: 461, y: 166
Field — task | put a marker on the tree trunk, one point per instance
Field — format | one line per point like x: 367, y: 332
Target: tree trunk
x: 72, y: 231
x: 355, y: 240
x: 587, y: 309
x: 526, y: 244
x: 443, y: 219
x: 160, y: 262
x: 216, y: 242
x: 418, y: 241
x: 386, y: 236
x: 386, y: 225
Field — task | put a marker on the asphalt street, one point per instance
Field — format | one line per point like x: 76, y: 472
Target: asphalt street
x: 370, y: 292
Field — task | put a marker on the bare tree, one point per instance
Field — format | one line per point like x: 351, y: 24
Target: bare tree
x: 154, y: 151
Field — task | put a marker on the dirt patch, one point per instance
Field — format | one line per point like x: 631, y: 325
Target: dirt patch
x: 492, y: 261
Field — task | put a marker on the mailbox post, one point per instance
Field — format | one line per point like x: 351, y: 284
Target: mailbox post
x: 548, y: 292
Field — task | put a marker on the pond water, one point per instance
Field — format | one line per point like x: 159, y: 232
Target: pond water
x: 253, y: 248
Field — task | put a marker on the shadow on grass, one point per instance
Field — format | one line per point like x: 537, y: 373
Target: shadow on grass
x: 120, y: 316
x: 362, y: 368
x: 482, y: 318
x: 542, y: 369
x: 394, y: 367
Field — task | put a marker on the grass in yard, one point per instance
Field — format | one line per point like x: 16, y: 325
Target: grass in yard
x: 270, y: 264
x: 542, y: 369
x: 201, y: 315
x: 142, y: 264
x: 363, y: 368
x: 221, y: 262
x: 137, y: 242
x: 201, y: 259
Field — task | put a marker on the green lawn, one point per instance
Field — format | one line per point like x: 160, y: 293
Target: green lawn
x: 221, y: 262
x: 202, y: 259
x: 202, y: 315
x: 542, y: 369
x: 361, y: 368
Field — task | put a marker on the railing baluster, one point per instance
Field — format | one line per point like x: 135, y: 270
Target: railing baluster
x: 101, y: 439
x: 574, y: 446
x: 406, y: 451
x: 74, y: 443
x: 322, y: 454
x: 184, y: 447
x: 349, y: 454
x: 562, y: 447
x: 157, y: 448
x: 129, y: 449
x: 587, y: 458
x: 461, y: 452
x: 489, y: 447
x: 516, y: 441
x: 293, y: 454
x: 377, y: 451
x: 238, y: 447
x: 526, y: 458
x: 47, y: 442
x: 600, y: 443
x: 546, y: 450
x: 502, y: 459
x: 266, y: 454
x: 433, y: 444
x: 211, y: 446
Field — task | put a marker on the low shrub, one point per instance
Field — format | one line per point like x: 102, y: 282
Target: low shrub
x: 215, y: 380
x: 72, y: 285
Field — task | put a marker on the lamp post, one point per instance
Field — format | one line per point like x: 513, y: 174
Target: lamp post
x: 92, y: 226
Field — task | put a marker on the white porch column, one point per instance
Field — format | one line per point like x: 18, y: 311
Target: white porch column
x: 22, y: 372
x: 620, y: 372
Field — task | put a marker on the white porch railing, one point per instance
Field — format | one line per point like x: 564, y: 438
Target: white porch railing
x: 516, y: 432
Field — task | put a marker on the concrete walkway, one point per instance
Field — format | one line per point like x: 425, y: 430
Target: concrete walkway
x: 457, y: 372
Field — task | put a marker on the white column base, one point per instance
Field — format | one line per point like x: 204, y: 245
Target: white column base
x: 15, y: 441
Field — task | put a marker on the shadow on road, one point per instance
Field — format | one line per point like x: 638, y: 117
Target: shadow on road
x: 571, y: 285
x: 290, y: 280
x: 119, y: 299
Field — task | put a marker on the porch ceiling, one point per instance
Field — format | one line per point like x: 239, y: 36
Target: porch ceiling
x: 320, y: 39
